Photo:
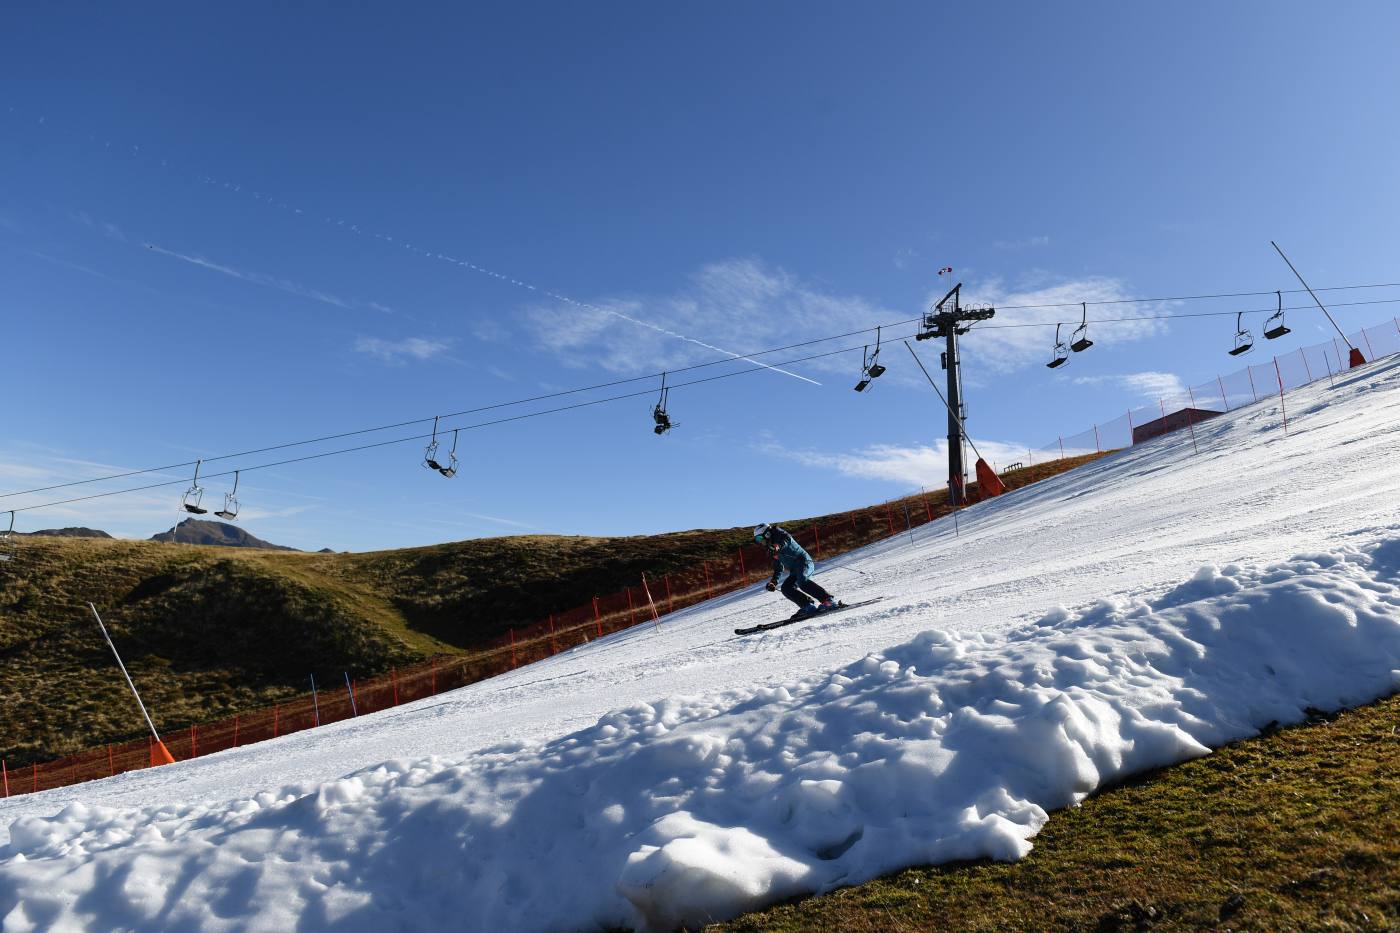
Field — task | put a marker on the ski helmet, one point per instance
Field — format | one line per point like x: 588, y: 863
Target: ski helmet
x: 760, y: 531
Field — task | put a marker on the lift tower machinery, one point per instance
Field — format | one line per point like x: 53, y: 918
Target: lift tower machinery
x: 949, y: 319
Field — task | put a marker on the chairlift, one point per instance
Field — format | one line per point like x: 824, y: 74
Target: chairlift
x: 870, y: 368
x: 1272, y: 330
x: 1244, y: 340
x: 451, y: 469
x: 1079, y: 340
x: 230, y: 510
x: 195, y: 494
x: 430, y: 452
x: 1060, y: 353
x: 658, y: 414
x: 7, y: 540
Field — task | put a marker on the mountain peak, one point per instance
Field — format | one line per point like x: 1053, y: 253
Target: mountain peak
x: 197, y: 531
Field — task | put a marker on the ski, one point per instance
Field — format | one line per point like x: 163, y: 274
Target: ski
x: 779, y: 624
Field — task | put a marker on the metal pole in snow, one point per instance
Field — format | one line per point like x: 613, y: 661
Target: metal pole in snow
x: 655, y: 616
x: 315, y: 704
x: 1223, y: 400
x: 1310, y: 292
x: 1281, y: 407
x: 1190, y: 416
x: 108, y: 639
x: 351, y: 691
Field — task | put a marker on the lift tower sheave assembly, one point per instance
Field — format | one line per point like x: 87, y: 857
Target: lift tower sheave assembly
x: 948, y: 319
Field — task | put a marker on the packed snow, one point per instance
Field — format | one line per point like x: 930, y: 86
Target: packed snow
x: 1130, y: 614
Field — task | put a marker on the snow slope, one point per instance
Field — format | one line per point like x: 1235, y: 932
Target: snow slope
x: 683, y: 774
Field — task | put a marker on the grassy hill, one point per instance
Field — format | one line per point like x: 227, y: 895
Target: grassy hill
x: 210, y: 631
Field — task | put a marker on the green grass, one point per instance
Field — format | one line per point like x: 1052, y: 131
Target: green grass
x: 208, y: 631
x: 1295, y: 830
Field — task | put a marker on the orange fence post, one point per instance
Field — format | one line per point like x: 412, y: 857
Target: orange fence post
x: 743, y: 567
x: 670, y: 600
x: 512, y: 654
x: 889, y: 518
x: 1305, y: 363
x: 816, y: 530
x: 597, y: 617
x: 5, y: 773
x: 276, y: 711
x: 551, y: 639
x: 394, y: 675
x: 111, y: 766
x: 1249, y: 371
x: 631, y: 610
x: 235, y: 730
x: 708, y: 585
x: 194, y: 749
x: 1281, y: 407
x: 34, y: 775
x: 1367, y: 337
x: 553, y: 648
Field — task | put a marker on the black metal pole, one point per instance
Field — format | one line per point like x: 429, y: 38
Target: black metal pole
x: 956, y: 469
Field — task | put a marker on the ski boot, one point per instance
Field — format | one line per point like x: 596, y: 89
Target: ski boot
x: 830, y: 603
x: 806, y: 612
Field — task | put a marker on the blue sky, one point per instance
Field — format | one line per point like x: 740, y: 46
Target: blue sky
x: 221, y: 232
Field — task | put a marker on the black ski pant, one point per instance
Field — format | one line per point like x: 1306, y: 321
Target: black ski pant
x: 803, y: 589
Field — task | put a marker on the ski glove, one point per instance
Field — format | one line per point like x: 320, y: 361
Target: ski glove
x: 772, y: 585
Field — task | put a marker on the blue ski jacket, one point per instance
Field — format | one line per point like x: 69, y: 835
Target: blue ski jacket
x: 789, y: 555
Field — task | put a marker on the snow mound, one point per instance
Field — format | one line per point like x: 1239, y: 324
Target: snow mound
x: 945, y: 747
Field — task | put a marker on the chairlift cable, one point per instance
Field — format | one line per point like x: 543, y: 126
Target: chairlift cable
x: 603, y: 385
x: 422, y: 437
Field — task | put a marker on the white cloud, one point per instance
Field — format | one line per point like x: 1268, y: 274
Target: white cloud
x: 742, y: 303
x: 750, y: 305
x: 1019, y: 336
x: 398, y: 352
x: 924, y: 466
x: 1147, y: 384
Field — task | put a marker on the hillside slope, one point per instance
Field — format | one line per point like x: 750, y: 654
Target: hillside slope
x: 1133, y: 613
x: 208, y: 632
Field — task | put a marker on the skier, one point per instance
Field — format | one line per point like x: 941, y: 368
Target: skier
x: 799, y: 586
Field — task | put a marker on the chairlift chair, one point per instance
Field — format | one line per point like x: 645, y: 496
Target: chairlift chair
x: 1244, y: 340
x: 230, y: 510
x: 1079, y: 340
x: 195, y: 494
x: 430, y: 452
x: 1060, y: 353
x: 870, y: 368
x: 658, y: 414
x: 451, y: 469
x: 7, y: 540
x: 1272, y: 330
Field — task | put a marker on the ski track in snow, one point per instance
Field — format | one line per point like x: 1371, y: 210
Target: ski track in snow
x: 658, y: 777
